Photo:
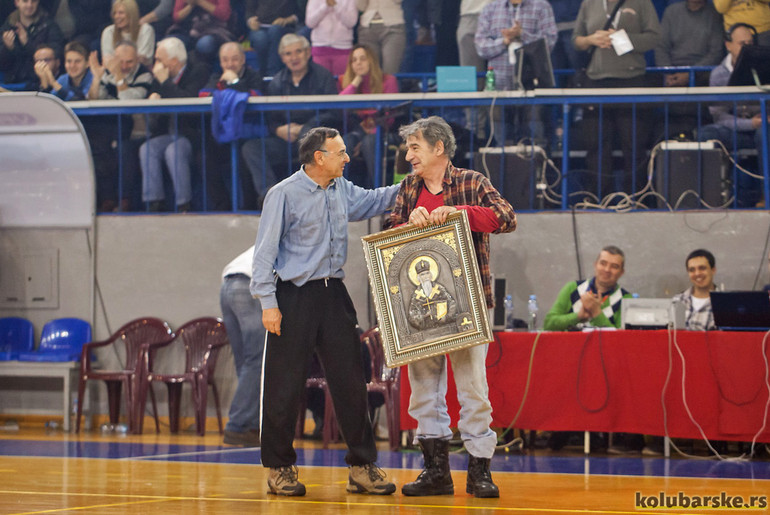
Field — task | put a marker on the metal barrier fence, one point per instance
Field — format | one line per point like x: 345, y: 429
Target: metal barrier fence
x: 535, y: 149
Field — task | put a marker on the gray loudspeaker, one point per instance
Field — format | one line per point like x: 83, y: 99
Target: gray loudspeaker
x: 703, y: 171
x: 498, y: 315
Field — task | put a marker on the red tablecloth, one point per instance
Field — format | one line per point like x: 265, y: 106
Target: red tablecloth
x: 614, y: 380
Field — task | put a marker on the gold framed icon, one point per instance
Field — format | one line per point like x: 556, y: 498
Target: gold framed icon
x: 427, y: 289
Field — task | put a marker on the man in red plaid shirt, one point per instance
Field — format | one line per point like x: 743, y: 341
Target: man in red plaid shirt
x: 433, y: 190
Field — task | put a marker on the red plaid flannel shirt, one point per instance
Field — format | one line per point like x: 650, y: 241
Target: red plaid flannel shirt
x: 461, y: 188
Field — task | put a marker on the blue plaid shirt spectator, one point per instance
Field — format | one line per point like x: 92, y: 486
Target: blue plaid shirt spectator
x: 537, y: 21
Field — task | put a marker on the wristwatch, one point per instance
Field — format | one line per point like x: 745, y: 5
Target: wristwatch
x: 233, y: 82
x: 121, y: 82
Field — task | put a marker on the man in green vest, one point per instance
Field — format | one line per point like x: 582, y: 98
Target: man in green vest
x: 594, y: 302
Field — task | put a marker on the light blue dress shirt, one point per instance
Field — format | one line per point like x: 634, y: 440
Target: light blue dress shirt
x: 303, y: 232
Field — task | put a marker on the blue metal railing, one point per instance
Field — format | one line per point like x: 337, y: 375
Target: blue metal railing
x: 453, y: 107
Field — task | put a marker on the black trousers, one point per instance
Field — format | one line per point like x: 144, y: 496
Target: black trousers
x: 316, y: 316
x: 618, y: 121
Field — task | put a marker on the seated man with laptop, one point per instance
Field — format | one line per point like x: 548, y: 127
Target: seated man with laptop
x: 701, y: 267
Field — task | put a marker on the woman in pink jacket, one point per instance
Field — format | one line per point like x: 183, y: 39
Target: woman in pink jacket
x: 332, y: 23
x: 363, y: 75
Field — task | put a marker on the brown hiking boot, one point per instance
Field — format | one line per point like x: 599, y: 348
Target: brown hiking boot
x: 369, y: 479
x: 283, y: 481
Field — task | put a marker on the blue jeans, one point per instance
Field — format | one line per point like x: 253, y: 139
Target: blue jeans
x: 367, y: 151
x: 242, y: 315
x: 208, y: 46
x: 265, y: 41
x: 176, y: 153
x: 270, y: 165
x: 428, y: 379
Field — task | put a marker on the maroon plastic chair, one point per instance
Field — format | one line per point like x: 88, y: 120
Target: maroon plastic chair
x: 202, y: 339
x: 127, y: 343
x: 385, y: 381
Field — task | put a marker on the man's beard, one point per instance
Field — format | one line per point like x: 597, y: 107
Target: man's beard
x: 427, y: 287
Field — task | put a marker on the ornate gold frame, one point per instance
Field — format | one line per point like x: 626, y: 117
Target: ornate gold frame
x: 442, y: 315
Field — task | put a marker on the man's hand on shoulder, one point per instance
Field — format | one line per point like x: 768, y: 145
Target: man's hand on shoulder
x: 271, y: 319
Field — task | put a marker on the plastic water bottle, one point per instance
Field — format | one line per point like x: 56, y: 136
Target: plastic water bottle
x: 489, y: 84
x: 508, y: 303
x: 532, y: 313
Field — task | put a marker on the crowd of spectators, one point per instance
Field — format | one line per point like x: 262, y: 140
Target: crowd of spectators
x: 365, y: 44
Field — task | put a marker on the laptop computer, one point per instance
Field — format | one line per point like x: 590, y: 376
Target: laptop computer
x: 741, y: 310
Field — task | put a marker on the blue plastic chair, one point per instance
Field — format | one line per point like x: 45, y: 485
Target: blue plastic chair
x: 16, y: 335
x: 62, y: 339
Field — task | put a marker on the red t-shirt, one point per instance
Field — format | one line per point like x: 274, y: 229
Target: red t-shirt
x: 482, y: 219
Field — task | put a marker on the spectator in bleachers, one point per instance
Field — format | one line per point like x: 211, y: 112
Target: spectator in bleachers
x: 476, y: 119
x: 267, y: 158
x: 364, y: 75
x: 74, y: 84
x: 751, y: 12
x: 504, y: 26
x: 25, y: 29
x: 121, y: 77
x: 157, y: 13
x: 126, y: 27
x: 381, y: 28
x: 466, y: 32
x: 624, y: 67
x: 331, y: 38
x: 174, y: 77
x: 203, y: 25
x: 236, y: 75
x: 268, y: 21
x: 47, y: 65
x: 512, y: 23
x: 425, y: 17
x: 691, y: 35
x: 744, y: 122
x: 564, y: 55
x: 80, y: 20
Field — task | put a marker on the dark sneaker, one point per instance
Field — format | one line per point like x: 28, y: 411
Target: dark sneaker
x: 283, y: 481
x: 369, y: 479
x: 248, y: 438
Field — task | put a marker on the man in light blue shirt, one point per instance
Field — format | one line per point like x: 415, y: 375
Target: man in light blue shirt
x: 297, y: 276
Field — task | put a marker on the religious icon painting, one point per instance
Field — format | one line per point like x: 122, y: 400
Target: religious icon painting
x: 427, y: 289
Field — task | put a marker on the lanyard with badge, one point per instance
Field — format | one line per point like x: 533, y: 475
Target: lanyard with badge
x: 620, y: 40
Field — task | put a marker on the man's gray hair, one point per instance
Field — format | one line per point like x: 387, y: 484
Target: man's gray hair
x: 174, y: 48
x: 433, y: 130
x: 291, y: 39
x: 125, y: 42
x: 615, y: 251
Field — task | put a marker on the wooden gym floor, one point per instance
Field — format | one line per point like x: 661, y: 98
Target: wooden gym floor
x: 92, y: 473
